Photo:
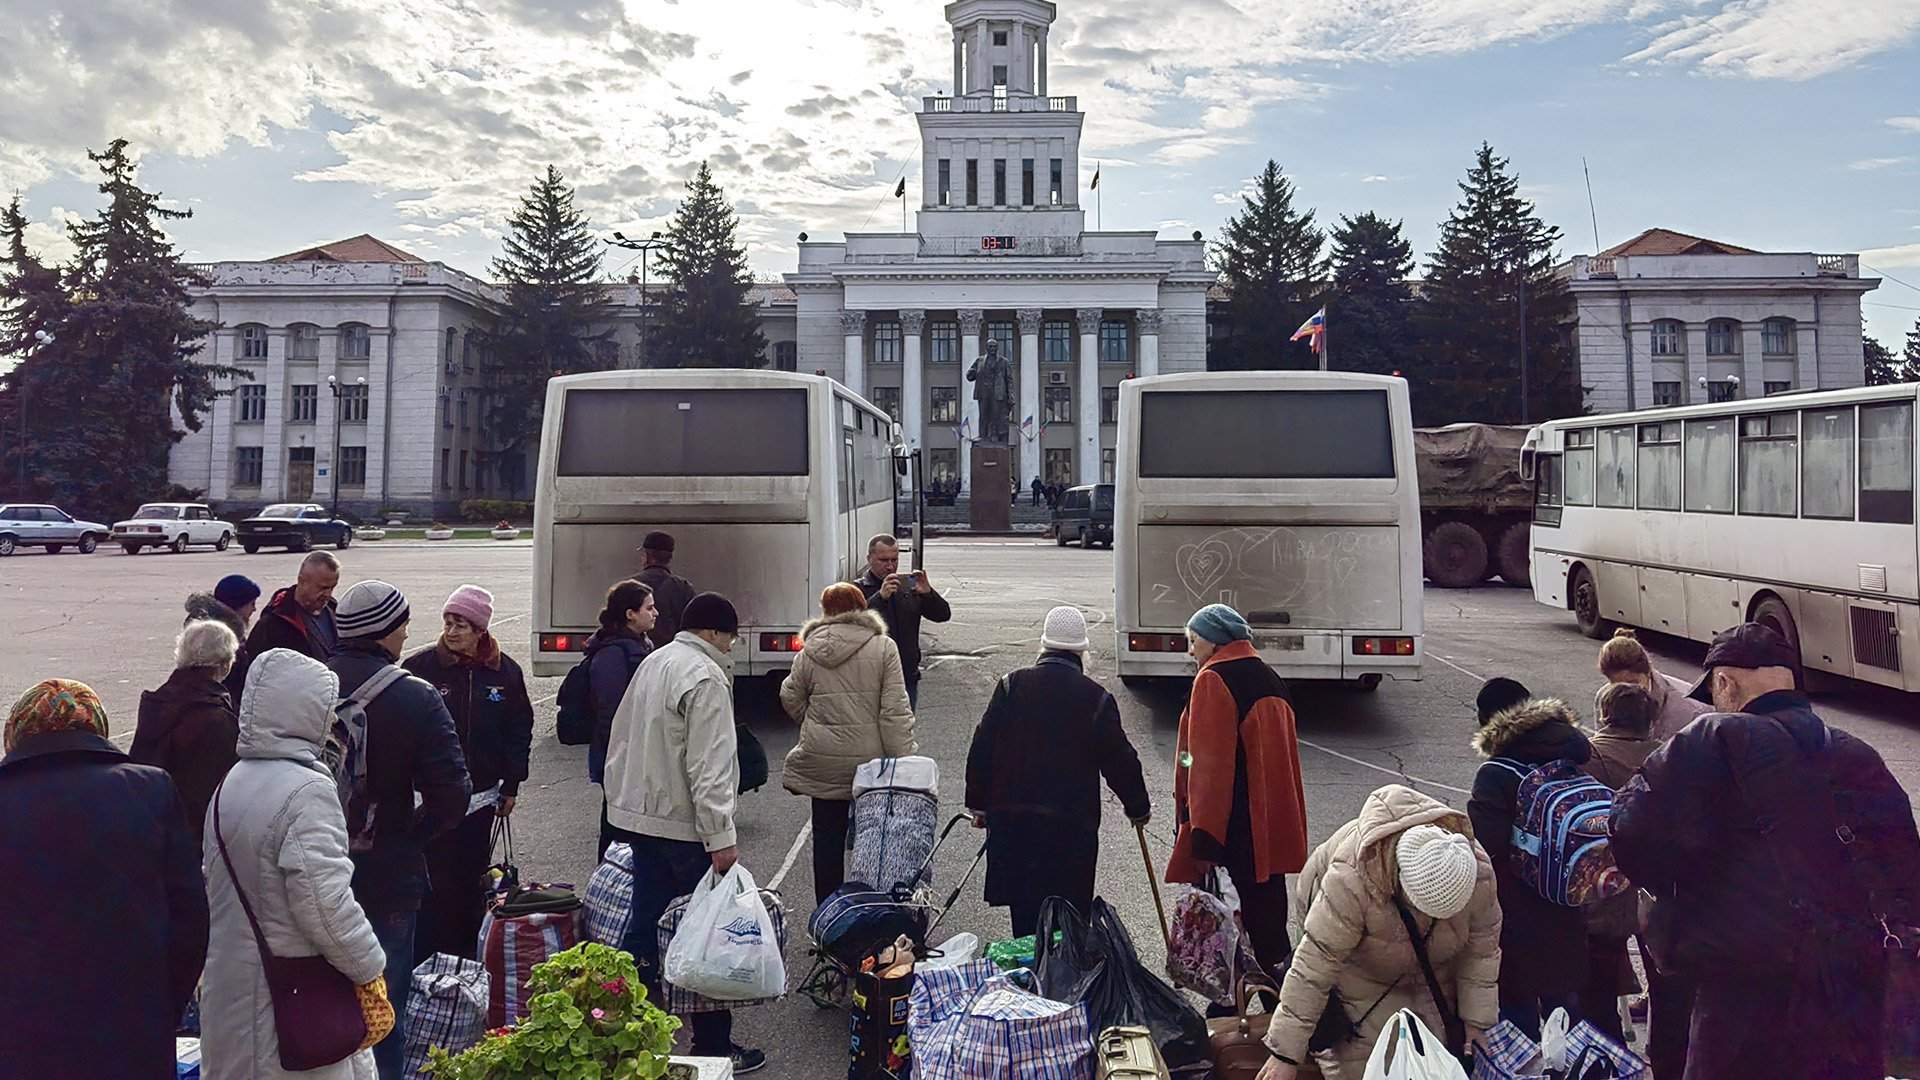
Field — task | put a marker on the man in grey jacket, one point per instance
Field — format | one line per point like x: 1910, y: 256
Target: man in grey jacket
x: 671, y: 775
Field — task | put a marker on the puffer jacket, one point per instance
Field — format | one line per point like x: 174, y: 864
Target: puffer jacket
x: 1677, y: 710
x: 849, y: 695
x: 1349, y: 937
x: 287, y: 840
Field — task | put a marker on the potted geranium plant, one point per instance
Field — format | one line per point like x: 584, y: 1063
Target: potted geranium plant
x: 505, y: 530
x: 439, y: 531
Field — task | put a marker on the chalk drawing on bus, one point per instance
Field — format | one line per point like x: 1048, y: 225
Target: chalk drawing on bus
x: 1311, y: 572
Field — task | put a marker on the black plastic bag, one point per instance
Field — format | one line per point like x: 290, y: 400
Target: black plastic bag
x: 753, y: 758
x: 1094, y: 961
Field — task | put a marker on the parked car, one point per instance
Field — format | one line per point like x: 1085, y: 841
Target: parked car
x: 294, y: 526
x: 171, y: 525
x: 39, y: 525
x: 1084, y: 514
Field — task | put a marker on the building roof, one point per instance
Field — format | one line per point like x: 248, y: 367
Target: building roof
x: 1668, y: 242
x: 362, y: 248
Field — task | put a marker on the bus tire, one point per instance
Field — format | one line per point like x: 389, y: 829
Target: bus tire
x: 1367, y: 683
x: 1514, y: 554
x: 1584, y: 597
x: 1456, y: 555
x: 1772, y: 612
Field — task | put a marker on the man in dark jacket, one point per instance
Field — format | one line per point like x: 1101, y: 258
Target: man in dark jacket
x: 299, y: 617
x: 670, y: 592
x: 412, y: 748
x: 902, y: 600
x: 1773, y: 845
x: 1049, y: 736
x: 105, y: 954
x: 189, y: 726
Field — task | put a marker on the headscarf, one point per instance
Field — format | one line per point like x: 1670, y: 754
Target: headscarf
x: 55, y: 705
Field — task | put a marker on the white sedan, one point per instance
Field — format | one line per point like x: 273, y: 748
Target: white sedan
x: 172, y: 525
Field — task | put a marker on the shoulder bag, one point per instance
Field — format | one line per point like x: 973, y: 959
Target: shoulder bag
x: 1456, y: 1029
x: 316, y: 1010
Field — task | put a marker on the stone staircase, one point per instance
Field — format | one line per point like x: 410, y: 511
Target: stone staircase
x: 954, y: 519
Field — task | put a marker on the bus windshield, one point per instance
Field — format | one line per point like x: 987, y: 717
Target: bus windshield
x: 667, y: 432
x: 1266, y: 435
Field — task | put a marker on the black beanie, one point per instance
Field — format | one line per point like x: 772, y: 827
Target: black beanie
x: 1497, y: 696
x: 710, y: 611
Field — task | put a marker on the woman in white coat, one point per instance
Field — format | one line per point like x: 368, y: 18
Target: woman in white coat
x: 280, y: 818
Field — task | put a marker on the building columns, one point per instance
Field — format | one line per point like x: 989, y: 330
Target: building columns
x: 323, y: 426
x: 971, y: 320
x: 1040, y: 80
x: 1029, y: 414
x: 912, y: 378
x: 1753, y: 367
x: 1696, y: 363
x: 273, y: 440
x: 959, y: 63
x: 223, y: 345
x: 1147, y: 321
x: 853, y: 324
x: 1089, y: 437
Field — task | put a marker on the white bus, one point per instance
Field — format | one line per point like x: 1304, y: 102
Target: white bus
x: 770, y: 483
x: 1291, y: 496
x: 1795, y: 510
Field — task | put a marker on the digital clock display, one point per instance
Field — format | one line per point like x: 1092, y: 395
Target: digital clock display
x: 999, y: 243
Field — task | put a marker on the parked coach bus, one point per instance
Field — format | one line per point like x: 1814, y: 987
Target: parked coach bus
x: 1796, y: 511
x: 1291, y: 496
x: 770, y: 483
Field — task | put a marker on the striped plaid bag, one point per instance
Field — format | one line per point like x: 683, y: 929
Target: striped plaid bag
x: 678, y: 1002
x: 1587, y: 1044
x: 1509, y: 1055
x: 447, y: 1008
x: 969, y: 1023
x: 512, y: 945
x: 610, y: 897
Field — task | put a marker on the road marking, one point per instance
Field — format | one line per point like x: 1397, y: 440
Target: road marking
x: 1457, y: 667
x: 508, y: 619
x: 549, y: 697
x: 1411, y: 779
x: 793, y: 854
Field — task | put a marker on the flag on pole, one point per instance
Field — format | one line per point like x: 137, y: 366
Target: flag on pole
x: 1314, y: 330
x: 1026, y: 427
x: 1095, y: 186
x: 900, y: 191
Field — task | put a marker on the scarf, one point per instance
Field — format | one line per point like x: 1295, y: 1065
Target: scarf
x: 486, y: 654
x: 55, y: 705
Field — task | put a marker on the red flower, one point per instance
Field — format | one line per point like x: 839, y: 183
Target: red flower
x: 617, y: 987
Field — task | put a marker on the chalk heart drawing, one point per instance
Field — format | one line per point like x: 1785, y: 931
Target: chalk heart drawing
x: 1203, y: 565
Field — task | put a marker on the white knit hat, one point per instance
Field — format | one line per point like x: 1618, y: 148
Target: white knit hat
x: 1065, y: 630
x: 1437, y: 870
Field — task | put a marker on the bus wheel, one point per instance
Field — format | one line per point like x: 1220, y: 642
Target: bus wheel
x: 1367, y: 683
x: 1515, y: 554
x: 1456, y: 555
x: 1586, y: 605
x: 1771, y: 612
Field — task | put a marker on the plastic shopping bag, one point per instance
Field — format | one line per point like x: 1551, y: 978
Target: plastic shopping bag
x: 1554, y: 1052
x: 1203, y: 941
x: 726, y: 948
x: 1407, y: 1050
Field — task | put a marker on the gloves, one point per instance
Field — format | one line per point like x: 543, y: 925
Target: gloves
x: 377, y: 1010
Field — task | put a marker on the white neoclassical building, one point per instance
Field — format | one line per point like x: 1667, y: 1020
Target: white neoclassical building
x: 1001, y: 252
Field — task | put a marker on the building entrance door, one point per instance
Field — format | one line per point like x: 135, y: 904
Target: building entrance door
x: 300, y: 474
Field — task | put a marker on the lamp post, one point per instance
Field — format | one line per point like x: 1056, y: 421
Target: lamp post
x: 45, y: 339
x: 333, y: 385
x: 644, y: 247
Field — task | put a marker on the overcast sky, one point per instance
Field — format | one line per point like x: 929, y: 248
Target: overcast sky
x: 1779, y: 124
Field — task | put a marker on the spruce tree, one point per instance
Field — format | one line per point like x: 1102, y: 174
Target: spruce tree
x: 1269, y: 255
x: 1495, y: 257
x: 705, y: 320
x: 550, y: 265
x: 31, y: 303
x: 1910, y: 356
x: 1371, y: 262
x: 1882, y: 365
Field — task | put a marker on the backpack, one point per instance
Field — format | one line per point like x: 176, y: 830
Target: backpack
x: 1560, y: 844
x: 345, y: 755
x: 574, y: 725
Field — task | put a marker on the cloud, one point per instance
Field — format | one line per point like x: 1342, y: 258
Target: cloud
x: 1783, y: 39
x: 1897, y: 255
x: 1870, y: 164
x: 1376, y: 178
x: 1904, y: 123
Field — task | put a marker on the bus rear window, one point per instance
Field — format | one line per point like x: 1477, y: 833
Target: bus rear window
x: 1266, y: 434
x: 647, y: 432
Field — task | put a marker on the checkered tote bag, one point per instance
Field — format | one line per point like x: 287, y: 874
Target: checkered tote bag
x: 1509, y: 1055
x: 677, y: 1002
x: 968, y: 1023
x: 447, y: 1008
x: 610, y: 897
x: 1587, y: 1044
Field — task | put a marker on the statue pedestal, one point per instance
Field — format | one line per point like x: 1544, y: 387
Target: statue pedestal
x: 990, y: 507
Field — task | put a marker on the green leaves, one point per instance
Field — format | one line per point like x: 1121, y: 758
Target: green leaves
x: 1270, y: 256
x: 705, y: 320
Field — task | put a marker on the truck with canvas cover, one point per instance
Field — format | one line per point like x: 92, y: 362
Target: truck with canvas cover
x: 1475, y: 508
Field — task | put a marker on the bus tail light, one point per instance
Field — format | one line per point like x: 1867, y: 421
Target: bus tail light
x: 1164, y: 643
x: 780, y: 643
x: 563, y: 642
x: 1383, y: 646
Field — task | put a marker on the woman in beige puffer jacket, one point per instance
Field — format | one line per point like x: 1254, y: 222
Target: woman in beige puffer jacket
x: 849, y: 695
x: 1350, y: 937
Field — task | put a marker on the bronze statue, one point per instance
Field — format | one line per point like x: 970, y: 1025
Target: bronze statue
x: 992, y: 379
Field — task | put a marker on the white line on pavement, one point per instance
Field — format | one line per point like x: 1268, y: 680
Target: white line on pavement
x: 1457, y: 667
x: 1384, y: 769
x: 793, y: 854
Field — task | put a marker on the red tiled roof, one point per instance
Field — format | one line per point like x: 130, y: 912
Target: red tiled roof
x: 1669, y: 242
x: 362, y: 248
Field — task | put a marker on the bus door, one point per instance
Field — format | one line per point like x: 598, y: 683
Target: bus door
x: 855, y: 555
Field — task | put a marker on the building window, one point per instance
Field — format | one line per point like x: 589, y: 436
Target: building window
x: 446, y: 469
x: 999, y: 79
x: 1000, y: 38
x: 786, y: 356
x: 1026, y: 181
x: 946, y: 180
x: 1060, y: 466
x: 306, y: 405
x: 1769, y: 464
x: 946, y: 405
x: 1660, y: 466
x: 1721, y: 391
x: 1771, y: 387
x: 355, y: 344
x: 353, y: 466
x: 1826, y: 464
x: 946, y: 343
x: 1002, y: 332
x: 1666, y: 393
x: 888, y: 398
x: 1054, y: 183
x: 463, y: 411
x: 973, y: 182
x: 1777, y: 336
x: 1109, y: 404
x: 452, y: 339
x: 253, y: 342
x: 252, y: 399
x: 999, y: 181
x: 249, y: 462
x: 886, y: 343
x: 1059, y: 405
x: 1106, y: 465
x: 446, y: 411
x: 1056, y: 342
x: 463, y: 470
x: 1886, y: 463
x: 1723, y: 337
x: 353, y: 404
x: 1669, y: 338
x: 1113, y: 341
x: 303, y: 342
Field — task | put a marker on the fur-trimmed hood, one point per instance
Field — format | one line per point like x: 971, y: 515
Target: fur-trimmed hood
x: 1540, y: 724
x: 203, y: 607
x: 833, y: 640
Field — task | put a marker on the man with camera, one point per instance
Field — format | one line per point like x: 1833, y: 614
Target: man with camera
x: 902, y: 600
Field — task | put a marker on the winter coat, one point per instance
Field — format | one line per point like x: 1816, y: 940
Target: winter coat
x: 287, y: 841
x: 1237, y: 792
x: 672, y: 764
x: 189, y: 728
x: 903, y: 612
x: 282, y: 625
x: 1676, y: 709
x: 1543, y: 945
x: 1617, y: 755
x: 491, y: 712
x: 849, y: 696
x: 412, y: 749
x: 1349, y: 936
x: 1049, y: 736
x: 612, y: 658
x: 671, y: 595
x: 203, y: 607
x: 108, y: 928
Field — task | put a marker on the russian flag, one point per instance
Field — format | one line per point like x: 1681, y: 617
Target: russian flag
x: 1314, y: 330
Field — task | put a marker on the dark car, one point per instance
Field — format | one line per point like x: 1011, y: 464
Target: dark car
x: 294, y: 526
x: 1084, y: 514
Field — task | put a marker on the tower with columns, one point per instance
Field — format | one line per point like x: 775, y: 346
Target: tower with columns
x: 1000, y: 250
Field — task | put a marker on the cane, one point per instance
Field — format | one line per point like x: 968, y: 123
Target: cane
x: 1153, y: 881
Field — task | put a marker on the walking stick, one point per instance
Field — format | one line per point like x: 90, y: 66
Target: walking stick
x: 1153, y: 881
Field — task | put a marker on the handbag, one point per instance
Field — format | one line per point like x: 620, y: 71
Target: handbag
x: 1455, y: 1028
x: 752, y: 757
x: 316, y: 1010
x: 1239, y: 1042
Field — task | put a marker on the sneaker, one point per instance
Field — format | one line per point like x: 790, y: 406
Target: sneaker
x: 746, y: 1060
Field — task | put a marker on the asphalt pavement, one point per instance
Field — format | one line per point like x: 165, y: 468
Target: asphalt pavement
x: 109, y: 620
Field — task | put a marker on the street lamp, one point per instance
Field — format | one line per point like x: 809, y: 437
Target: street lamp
x: 45, y: 339
x: 645, y: 248
x: 333, y: 385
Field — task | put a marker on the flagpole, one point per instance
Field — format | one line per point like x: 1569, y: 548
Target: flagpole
x: 1326, y: 340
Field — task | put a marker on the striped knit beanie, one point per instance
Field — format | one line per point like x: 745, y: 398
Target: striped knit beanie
x: 370, y: 609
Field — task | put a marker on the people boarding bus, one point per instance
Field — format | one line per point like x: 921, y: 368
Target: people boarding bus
x: 769, y: 483
x: 1289, y: 496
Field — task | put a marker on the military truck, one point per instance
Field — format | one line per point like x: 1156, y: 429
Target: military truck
x: 1476, y: 511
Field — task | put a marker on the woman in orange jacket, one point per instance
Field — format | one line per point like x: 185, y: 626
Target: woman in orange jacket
x: 1239, y: 802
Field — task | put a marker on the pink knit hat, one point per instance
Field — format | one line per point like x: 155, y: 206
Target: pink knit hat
x: 472, y: 603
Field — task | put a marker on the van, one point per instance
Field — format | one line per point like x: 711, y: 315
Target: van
x: 1084, y: 514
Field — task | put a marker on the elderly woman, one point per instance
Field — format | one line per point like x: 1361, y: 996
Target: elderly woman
x: 115, y: 928
x: 189, y: 725
x: 1624, y: 660
x: 1239, y: 803
x: 848, y: 693
x: 279, y: 877
x: 1407, y: 860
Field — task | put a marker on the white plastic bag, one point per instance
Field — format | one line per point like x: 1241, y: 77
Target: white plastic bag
x: 957, y: 950
x: 1553, y: 1040
x: 1408, y: 1051
x: 725, y: 948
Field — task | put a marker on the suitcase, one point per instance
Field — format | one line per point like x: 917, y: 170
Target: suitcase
x: 1128, y: 1053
